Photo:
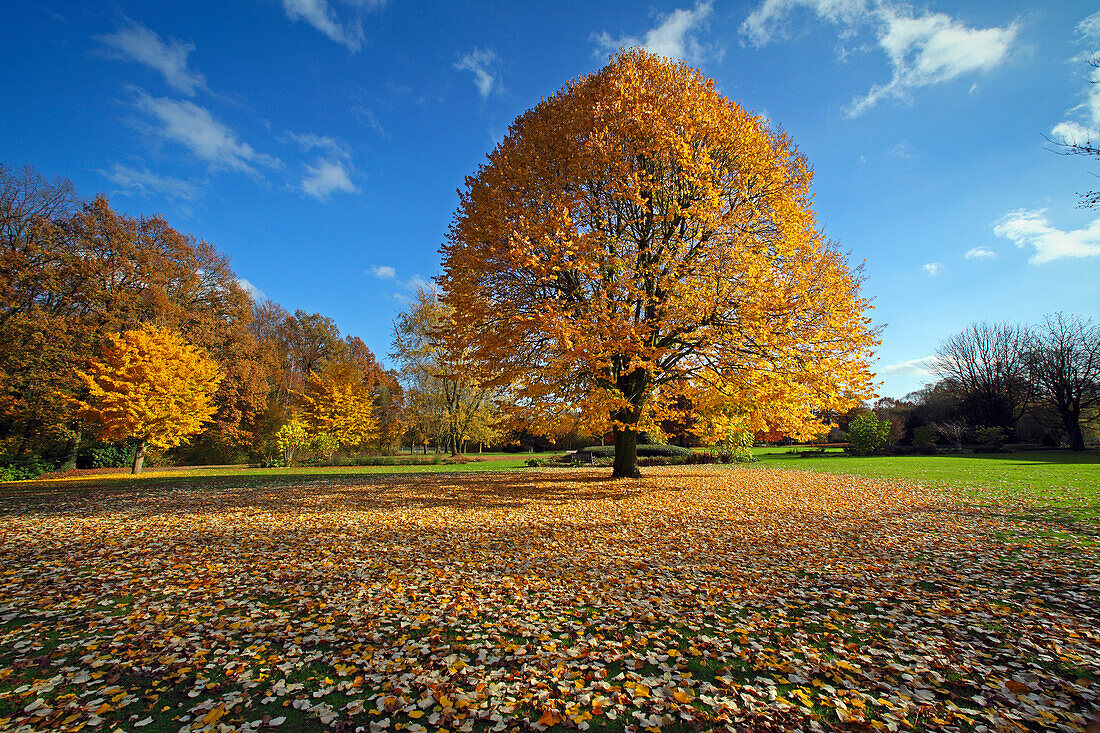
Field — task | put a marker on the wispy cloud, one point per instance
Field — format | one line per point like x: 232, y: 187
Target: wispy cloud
x: 213, y: 142
x: 923, y: 48
x: 980, y: 253
x: 1089, y: 27
x: 370, y: 119
x: 901, y: 150
x: 913, y: 367
x: 484, y: 64
x: 136, y: 42
x: 331, y: 170
x: 415, y: 282
x: 933, y: 268
x: 675, y: 36
x: 1032, y: 229
x: 320, y: 15
x: 329, y: 145
x: 145, y: 182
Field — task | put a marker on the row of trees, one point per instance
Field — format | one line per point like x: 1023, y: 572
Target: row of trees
x: 76, y: 274
x: 997, y: 381
x: 1003, y: 371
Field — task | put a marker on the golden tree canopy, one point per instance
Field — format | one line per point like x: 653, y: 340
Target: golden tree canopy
x: 151, y: 385
x: 638, y: 236
x: 339, y: 401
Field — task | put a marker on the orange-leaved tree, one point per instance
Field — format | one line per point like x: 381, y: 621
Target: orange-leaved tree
x: 637, y: 237
x: 150, y: 385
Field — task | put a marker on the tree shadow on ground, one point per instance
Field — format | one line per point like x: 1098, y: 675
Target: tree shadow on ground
x: 412, y: 490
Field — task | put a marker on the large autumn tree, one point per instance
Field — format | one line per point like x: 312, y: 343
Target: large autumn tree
x: 637, y: 236
x: 149, y: 385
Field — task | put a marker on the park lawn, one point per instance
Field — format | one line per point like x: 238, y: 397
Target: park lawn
x: 1058, y: 488
x: 694, y: 597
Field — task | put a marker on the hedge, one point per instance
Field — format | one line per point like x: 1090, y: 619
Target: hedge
x: 649, y: 450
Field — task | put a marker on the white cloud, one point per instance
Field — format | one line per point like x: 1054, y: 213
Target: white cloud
x: 331, y: 170
x: 196, y: 129
x: 980, y: 253
x: 1089, y: 27
x: 370, y: 118
x: 933, y: 268
x: 416, y: 282
x: 252, y: 290
x: 913, y: 367
x: 321, y: 16
x: 327, y: 177
x: 1032, y: 229
x: 308, y: 141
x: 1082, y: 123
x: 675, y: 36
x: 484, y: 65
x: 135, y: 42
x: 145, y: 182
x: 1074, y: 133
x: 769, y: 20
x: 923, y: 49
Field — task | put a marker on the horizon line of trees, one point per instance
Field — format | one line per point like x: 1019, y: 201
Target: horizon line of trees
x: 999, y: 382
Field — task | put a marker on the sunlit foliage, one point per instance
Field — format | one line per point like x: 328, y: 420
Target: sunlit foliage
x: 149, y: 385
x: 637, y: 236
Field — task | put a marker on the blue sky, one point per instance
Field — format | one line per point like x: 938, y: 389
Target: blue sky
x: 320, y: 143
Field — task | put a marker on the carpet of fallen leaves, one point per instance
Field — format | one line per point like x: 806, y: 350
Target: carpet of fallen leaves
x: 695, y: 598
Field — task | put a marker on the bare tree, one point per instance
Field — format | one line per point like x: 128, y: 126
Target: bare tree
x: 1065, y: 368
x: 954, y: 431
x: 989, y: 364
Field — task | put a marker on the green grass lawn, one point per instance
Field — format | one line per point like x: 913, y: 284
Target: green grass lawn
x: 1056, y: 487
x: 1035, y: 474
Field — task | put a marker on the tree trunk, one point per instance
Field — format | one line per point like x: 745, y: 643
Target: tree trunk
x: 626, y: 453
x: 72, y: 449
x: 1073, y: 429
x: 139, y: 458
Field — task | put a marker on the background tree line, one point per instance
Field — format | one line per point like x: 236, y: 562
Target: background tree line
x: 1000, y: 382
x: 74, y: 273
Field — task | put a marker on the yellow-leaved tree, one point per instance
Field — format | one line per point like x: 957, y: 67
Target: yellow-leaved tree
x: 150, y: 385
x: 338, y: 402
x: 290, y: 437
x: 638, y: 237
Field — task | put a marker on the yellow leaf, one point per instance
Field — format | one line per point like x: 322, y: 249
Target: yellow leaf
x: 213, y: 716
